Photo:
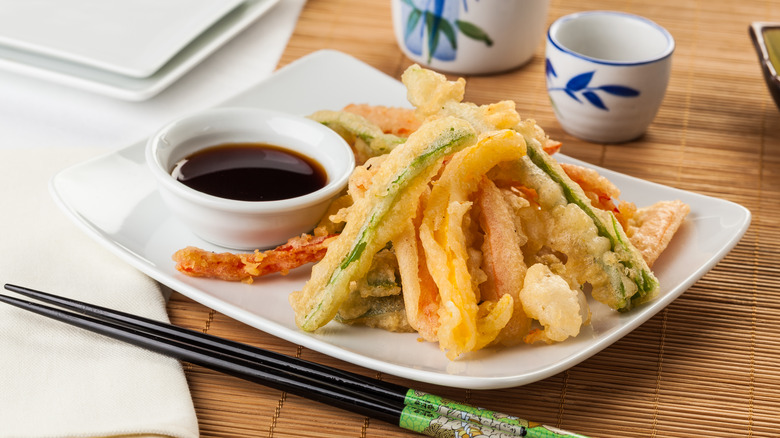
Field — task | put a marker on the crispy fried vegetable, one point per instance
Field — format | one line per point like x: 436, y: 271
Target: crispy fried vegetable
x: 433, y: 95
x: 387, y: 313
x: 429, y: 92
x: 377, y: 218
x: 421, y: 297
x: 368, y: 139
x: 381, y: 280
x: 377, y: 301
x: 548, y: 299
x: 631, y: 282
x: 503, y: 260
x: 465, y: 325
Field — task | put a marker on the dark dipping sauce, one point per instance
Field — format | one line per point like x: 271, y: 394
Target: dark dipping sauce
x: 250, y: 172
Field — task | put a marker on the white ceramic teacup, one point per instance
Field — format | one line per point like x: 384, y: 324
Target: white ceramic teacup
x: 469, y: 36
x: 607, y: 73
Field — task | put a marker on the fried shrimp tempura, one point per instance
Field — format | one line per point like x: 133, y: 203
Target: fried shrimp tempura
x: 653, y: 227
x: 391, y: 120
x: 298, y: 251
x: 601, y: 192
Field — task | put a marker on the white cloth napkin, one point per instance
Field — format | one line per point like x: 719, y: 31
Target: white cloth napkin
x: 61, y: 381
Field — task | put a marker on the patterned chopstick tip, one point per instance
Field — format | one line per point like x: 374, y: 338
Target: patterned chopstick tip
x: 436, y: 416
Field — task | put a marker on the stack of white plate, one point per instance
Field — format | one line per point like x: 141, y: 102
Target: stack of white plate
x: 127, y: 49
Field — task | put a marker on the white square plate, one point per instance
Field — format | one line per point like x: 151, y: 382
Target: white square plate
x: 133, y: 38
x: 120, y: 86
x: 114, y: 199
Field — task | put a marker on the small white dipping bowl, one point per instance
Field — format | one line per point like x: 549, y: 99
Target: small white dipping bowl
x: 247, y: 225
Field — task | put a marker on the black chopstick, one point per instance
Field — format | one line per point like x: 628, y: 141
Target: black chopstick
x: 410, y: 409
x: 258, y: 356
x: 216, y: 360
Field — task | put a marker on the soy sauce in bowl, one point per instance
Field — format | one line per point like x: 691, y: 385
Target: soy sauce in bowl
x: 251, y: 172
x: 294, y: 182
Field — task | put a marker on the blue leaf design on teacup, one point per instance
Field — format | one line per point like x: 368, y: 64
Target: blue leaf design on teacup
x: 594, y: 99
x: 578, y: 86
x: 549, y: 70
x: 571, y: 94
x: 580, y: 81
x: 431, y: 20
x: 619, y: 90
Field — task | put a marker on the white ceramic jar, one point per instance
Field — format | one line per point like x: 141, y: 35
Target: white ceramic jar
x: 470, y: 36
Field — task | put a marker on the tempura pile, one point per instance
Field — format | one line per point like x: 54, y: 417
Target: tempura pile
x: 463, y: 228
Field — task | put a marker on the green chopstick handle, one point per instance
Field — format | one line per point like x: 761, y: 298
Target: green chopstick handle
x: 432, y: 415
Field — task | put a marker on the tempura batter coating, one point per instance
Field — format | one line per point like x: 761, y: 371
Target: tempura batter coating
x: 421, y: 297
x: 601, y: 192
x: 367, y: 139
x: 503, y: 260
x: 653, y: 227
x: 298, y: 251
x: 391, y: 120
x: 465, y: 324
x: 377, y: 218
x: 559, y: 308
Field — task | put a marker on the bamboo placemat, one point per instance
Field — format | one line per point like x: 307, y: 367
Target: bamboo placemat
x: 707, y: 365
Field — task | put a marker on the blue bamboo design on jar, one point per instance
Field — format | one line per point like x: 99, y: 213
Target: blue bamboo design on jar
x: 427, y: 21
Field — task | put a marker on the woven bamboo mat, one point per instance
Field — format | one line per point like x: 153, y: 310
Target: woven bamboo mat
x: 707, y: 365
